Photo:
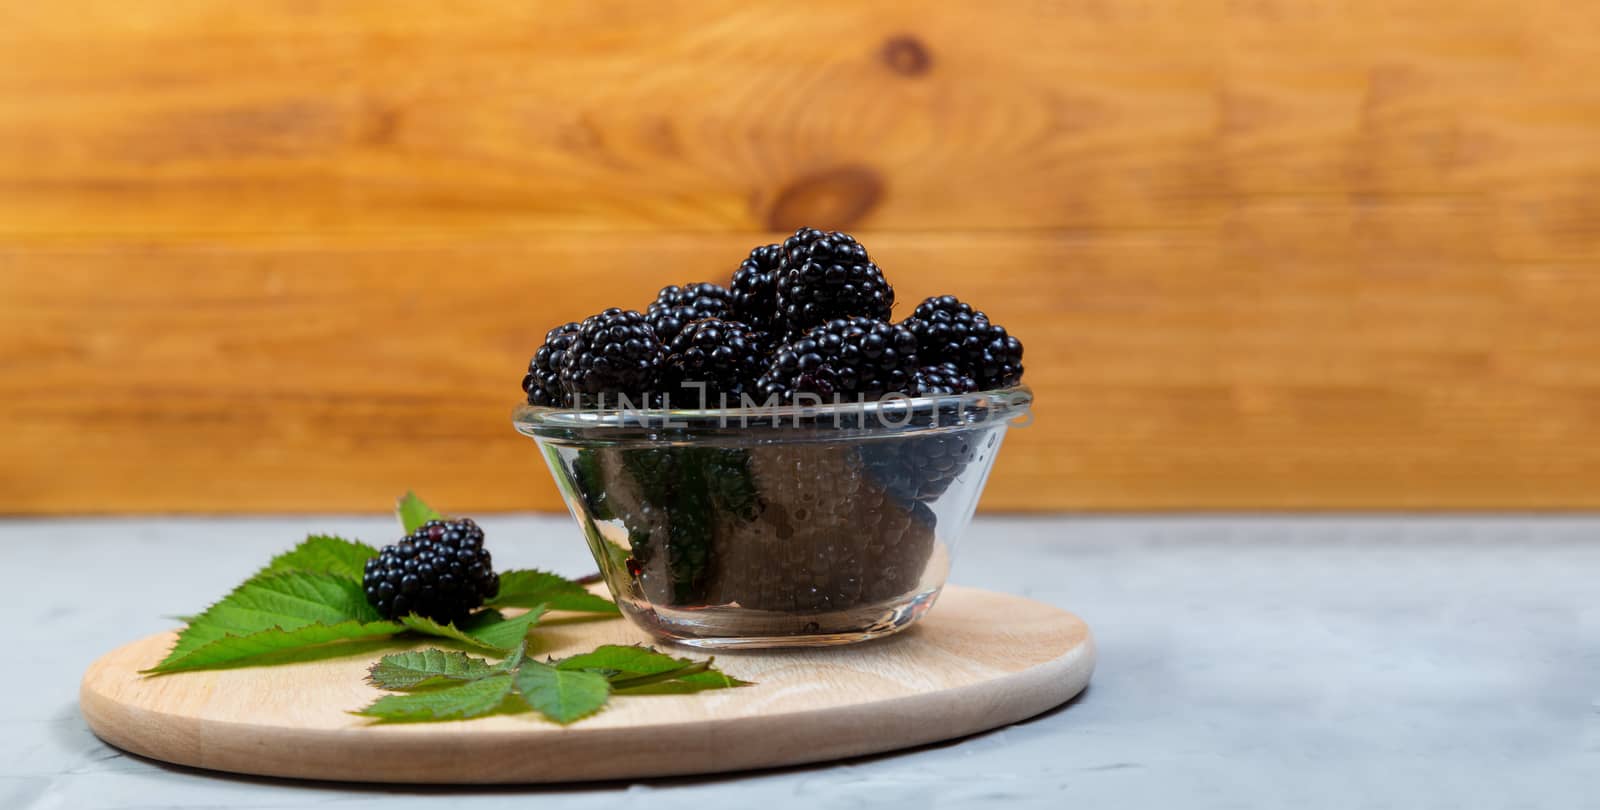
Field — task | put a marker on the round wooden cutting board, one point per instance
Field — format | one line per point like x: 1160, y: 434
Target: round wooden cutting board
x: 977, y: 661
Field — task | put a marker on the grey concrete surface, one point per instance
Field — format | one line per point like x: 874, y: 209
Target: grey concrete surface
x: 1349, y: 662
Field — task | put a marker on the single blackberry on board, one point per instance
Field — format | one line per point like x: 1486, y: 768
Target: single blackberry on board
x: 950, y: 330
x: 676, y: 307
x: 723, y: 356
x: 543, y: 381
x: 441, y: 571
x: 826, y: 275
x: 754, y: 290
x: 941, y: 379
x: 846, y: 357
x: 615, y: 354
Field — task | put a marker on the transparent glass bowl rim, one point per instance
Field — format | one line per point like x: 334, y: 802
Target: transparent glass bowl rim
x: 891, y: 414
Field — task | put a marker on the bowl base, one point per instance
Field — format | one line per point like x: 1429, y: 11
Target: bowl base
x: 733, y: 627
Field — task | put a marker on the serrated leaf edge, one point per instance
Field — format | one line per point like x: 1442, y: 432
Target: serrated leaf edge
x: 369, y: 630
x: 369, y: 711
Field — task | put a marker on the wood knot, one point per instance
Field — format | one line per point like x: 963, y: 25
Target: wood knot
x: 906, y: 55
x: 382, y: 124
x: 834, y: 199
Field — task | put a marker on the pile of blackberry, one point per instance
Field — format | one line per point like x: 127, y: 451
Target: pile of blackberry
x: 809, y: 528
x: 806, y: 317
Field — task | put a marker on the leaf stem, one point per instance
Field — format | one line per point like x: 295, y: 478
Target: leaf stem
x: 620, y: 684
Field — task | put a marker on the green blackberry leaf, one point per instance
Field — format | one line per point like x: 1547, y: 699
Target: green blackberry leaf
x: 413, y: 512
x: 429, y: 627
x: 713, y: 679
x: 288, y: 601
x: 505, y: 635
x: 621, y: 682
x: 324, y: 554
x: 619, y: 662
x: 561, y: 695
x: 418, y: 669
x: 432, y: 667
x: 514, y: 658
x: 232, y: 650
x: 527, y: 588
x: 486, y: 631
x: 629, y: 659
x: 459, y: 702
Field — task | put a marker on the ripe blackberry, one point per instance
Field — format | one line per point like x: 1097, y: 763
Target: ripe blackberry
x: 846, y: 357
x: 615, y: 354
x: 920, y: 468
x: 950, y: 330
x: 824, y: 276
x: 940, y: 379
x: 543, y: 381
x: 441, y: 571
x: 754, y: 289
x: 1001, y: 363
x: 676, y: 307
x: 724, y: 356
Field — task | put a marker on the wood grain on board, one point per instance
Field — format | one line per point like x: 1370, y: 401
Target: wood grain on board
x: 280, y: 256
x: 951, y: 675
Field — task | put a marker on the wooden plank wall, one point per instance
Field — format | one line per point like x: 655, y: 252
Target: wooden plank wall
x: 1283, y: 254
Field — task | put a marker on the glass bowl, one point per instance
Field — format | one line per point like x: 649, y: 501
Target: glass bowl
x: 776, y: 526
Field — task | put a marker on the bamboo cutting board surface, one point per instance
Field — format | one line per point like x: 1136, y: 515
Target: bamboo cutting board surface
x: 978, y: 661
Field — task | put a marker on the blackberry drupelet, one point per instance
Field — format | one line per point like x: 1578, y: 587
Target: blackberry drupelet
x: 543, y: 381
x: 847, y: 357
x: 440, y: 571
x: 1001, y: 363
x: 940, y: 379
x: 723, y: 356
x: 754, y: 290
x: 824, y: 276
x: 615, y: 354
x: 676, y: 307
x: 950, y: 330
x: 918, y: 469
